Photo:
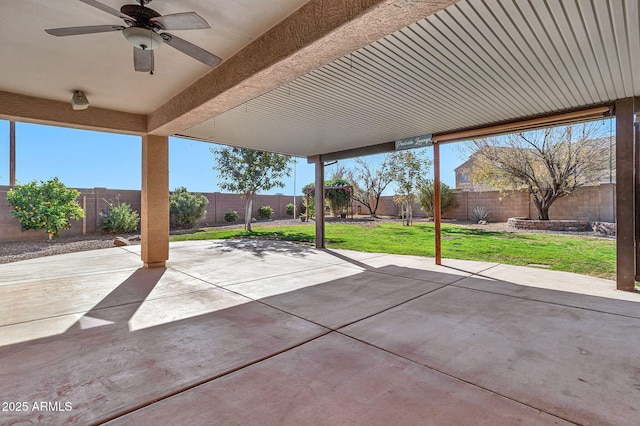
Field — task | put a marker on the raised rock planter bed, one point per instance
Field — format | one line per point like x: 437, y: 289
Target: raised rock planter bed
x: 604, y: 228
x: 549, y: 225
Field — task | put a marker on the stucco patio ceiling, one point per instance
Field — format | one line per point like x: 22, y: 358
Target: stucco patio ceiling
x: 37, y: 64
x: 473, y: 63
x: 313, y: 77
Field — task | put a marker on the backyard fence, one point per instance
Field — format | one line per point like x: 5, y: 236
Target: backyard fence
x: 593, y: 203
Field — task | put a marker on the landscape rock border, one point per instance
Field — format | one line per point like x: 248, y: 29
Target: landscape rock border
x: 602, y: 228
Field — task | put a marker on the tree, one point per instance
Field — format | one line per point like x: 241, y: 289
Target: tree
x: 426, y: 197
x: 369, y: 182
x: 549, y: 163
x: 246, y: 172
x: 186, y: 208
x: 339, y: 199
x: 408, y: 171
x: 49, y: 205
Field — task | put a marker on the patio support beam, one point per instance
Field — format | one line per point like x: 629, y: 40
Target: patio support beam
x: 314, y: 35
x: 155, y: 201
x: 12, y: 154
x: 318, y: 201
x: 436, y: 202
x: 29, y: 109
x: 625, y: 205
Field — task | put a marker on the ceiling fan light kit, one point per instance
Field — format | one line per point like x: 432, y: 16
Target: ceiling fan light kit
x: 145, y: 32
x: 142, y: 38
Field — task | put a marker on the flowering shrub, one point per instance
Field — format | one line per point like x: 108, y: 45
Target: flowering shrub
x: 46, y: 205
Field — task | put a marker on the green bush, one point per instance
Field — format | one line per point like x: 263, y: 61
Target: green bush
x: 49, y: 205
x: 339, y: 199
x: 265, y: 212
x: 290, y: 209
x: 425, y: 197
x: 119, y: 218
x: 186, y: 208
x: 231, y: 216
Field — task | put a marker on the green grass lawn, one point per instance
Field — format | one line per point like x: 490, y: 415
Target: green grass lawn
x: 582, y: 255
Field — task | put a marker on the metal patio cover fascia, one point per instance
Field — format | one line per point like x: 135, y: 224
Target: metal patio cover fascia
x: 471, y: 64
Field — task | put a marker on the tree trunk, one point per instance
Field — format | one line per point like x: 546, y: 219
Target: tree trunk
x: 248, y: 207
x: 543, y: 212
x: 543, y: 205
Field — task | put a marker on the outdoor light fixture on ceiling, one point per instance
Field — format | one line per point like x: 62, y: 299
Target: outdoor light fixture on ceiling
x: 142, y: 38
x: 79, y: 100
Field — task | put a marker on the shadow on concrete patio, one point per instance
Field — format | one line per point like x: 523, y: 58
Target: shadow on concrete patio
x: 346, y: 338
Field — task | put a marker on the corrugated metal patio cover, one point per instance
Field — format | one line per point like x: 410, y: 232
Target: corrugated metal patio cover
x: 474, y: 63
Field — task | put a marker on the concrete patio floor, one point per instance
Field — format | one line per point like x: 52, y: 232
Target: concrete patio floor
x: 270, y: 333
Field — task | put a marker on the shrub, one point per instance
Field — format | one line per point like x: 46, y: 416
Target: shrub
x: 49, y: 205
x: 119, y: 218
x: 481, y: 214
x: 265, y: 212
x: 426, y: 195
x: 290, y: 209
x: 231, y: 216
x: 186, y: 208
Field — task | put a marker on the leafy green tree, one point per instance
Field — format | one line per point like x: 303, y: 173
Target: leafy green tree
x: 408, y: 171
x: 339, y: 199
x: 426, y: 197
x: 48, y: 205
x: 246, y: 172
x: 369, y: 182
x: 186, y: 208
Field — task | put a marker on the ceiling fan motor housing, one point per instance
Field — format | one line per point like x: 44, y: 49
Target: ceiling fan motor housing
x: 142, y: 33
x: 141, y: 14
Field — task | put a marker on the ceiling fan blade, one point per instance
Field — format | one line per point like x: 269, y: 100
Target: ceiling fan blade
x: 181, y: 21
x: 107, y: 9
x: 143, y: 60
x: 191, y: 49
x: 60, y: 32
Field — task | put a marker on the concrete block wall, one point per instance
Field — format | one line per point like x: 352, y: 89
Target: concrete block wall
x: 221, y: 203
x: 592, y: 203
x: 93, y: 199
x: 589, y: 203
x: 500, y: 206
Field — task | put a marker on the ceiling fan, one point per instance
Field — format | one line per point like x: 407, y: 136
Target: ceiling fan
x: 145, y: 31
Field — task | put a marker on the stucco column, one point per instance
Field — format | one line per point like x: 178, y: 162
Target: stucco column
x: 155, y: 201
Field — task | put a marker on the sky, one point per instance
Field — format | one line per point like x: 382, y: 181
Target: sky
x: 86, y: 159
